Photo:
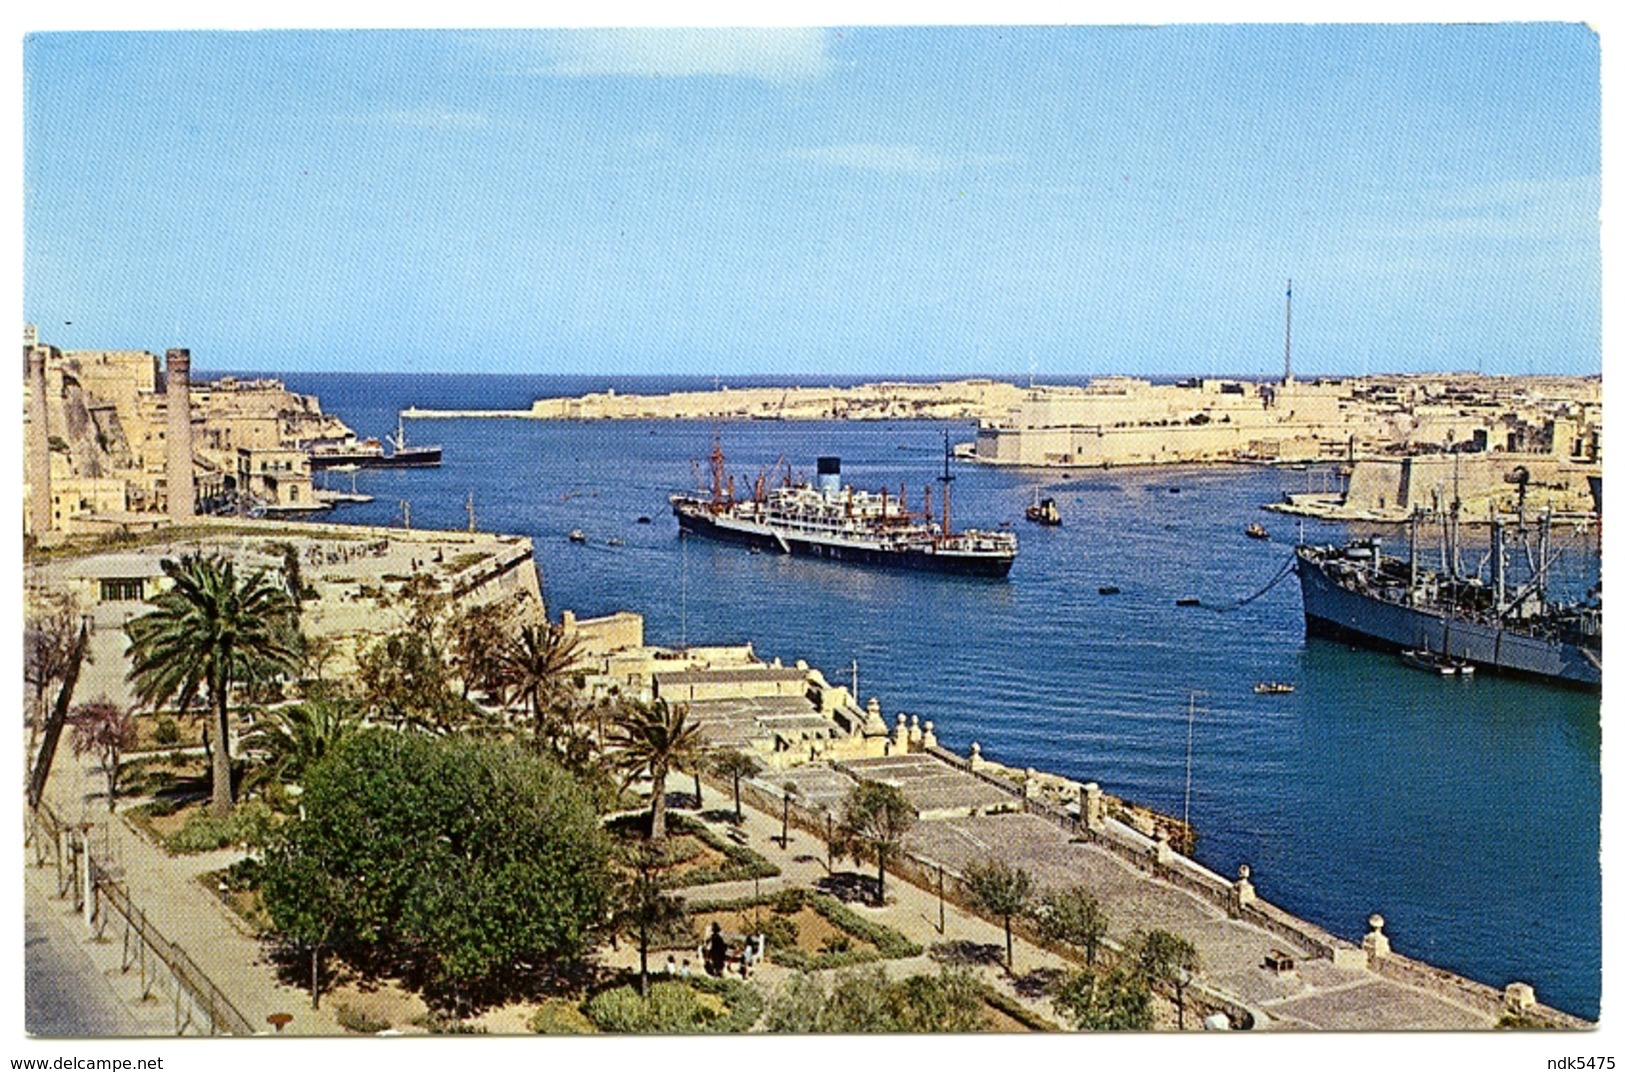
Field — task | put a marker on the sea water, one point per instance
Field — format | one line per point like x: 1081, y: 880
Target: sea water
x: 1465, y: 812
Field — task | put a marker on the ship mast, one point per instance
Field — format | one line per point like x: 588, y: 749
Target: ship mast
x: 947, y: 482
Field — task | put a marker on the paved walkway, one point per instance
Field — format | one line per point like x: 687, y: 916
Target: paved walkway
x: 169, y: 889
x: 1318, y: 995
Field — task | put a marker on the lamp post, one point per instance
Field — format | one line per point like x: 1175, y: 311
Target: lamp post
x: 1181, y: 981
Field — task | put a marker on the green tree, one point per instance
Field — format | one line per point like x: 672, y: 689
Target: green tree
x: 1073, y: 916
x: 655, y: 739
x: 404, y: 681
x: 645, y: 912
x: 1109, y: 1000
x: 733, y: 764
x: 875, y: 818
x: 1003, y: 891
x: 1165, y: 960
x: 460, y: 855
x: 105, y: 730
x: 478, y: 635
x: 211, y: 630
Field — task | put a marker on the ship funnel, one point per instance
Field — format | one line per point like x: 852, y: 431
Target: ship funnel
x: 829, y: 476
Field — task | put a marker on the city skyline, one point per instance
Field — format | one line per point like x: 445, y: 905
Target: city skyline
x: 841, y: 202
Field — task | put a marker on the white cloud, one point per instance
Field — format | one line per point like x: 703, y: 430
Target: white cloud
x: 768, y: 54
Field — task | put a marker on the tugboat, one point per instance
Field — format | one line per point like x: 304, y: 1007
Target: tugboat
x: 828, y: 521
x: 1044, y: 512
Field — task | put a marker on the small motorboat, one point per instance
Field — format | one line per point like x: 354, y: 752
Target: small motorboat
x: 577, y: 536
x: 1187, y: 601
x: 1257, y: 531
x: 1044, y: 512
x: 645, y: 520
x: 1109, y: 590
x: 615, y: 541
x: 1274, y: 688
x: 1437, y: 663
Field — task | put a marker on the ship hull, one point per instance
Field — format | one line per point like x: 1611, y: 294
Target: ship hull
x: 410, y: 458
x: 961, y: 564
x: 1333, y: 611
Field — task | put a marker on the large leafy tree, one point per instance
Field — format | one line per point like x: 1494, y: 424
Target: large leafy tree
x: 1003, y: 891
x: 404, y: 681
x: 875, y: 818
x: 209, y: 630
x: 478, y: 633
x: 1073, y: 916
x: 463, y: 856
x: 655, y: 739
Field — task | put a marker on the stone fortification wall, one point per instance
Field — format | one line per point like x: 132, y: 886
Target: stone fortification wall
x: 1432, y: 481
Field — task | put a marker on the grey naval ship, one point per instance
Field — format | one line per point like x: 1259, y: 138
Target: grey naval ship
x: 1357, y: 594
x: 827, y: 520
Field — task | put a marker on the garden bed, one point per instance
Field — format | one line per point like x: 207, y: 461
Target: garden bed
x: 807, y: 931
x: 702, y: 857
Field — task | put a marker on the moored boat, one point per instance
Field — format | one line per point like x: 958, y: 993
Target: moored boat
x: 830, y: 521
x: 1357, y: 594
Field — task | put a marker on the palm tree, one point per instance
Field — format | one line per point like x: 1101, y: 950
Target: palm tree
x: 533, y: 666
x: 656, y: 738
x: 294, y: 738
x: 211, y: 630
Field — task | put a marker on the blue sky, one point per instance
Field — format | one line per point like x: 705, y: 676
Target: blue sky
x: 868, y: 200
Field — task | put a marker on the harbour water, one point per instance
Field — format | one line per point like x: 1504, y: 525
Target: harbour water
x: 1466, y: 812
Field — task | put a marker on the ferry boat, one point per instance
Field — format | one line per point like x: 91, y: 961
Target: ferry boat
x: 1274, y: 688
x: 1357, y: 594
x: 1044, y: 512
x: 830, y: 521
x: 369, y: 453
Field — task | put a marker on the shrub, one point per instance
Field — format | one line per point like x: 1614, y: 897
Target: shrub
x: 781, y: 932
x: 676, y: 1008
x: 202, y: 833
x: 790, y: 901
x: 837, y: 943
x: 243, y: 875
x: 250, y: 825
x: 557, y: 1017
x: 352, y: 1019
x: 166, y: 732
